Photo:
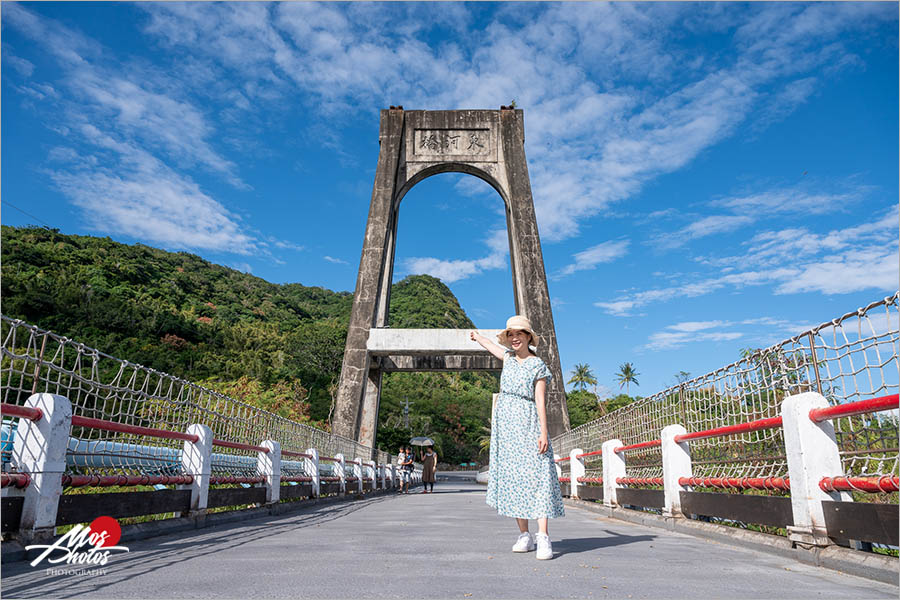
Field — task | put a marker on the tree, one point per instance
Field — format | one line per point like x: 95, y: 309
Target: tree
x: 582, y: 376
x: 627, y: 375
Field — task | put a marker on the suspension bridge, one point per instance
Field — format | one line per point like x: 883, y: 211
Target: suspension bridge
x: 775, y: 475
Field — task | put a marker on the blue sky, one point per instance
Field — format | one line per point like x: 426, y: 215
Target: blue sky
x: 707, y: 177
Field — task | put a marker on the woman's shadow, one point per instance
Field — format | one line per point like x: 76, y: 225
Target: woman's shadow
x: 577, y: 545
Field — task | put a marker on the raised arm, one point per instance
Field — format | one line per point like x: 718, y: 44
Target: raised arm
x: 495, y: 349
x: 540, y: 401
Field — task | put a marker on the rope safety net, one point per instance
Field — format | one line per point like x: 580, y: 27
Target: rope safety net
x: 853, y: 357
x: 103, y: 387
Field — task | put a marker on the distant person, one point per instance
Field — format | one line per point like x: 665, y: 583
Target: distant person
x: 407, y: 469
x: 523, y: 482
x: 429, y: 467
x: 401, y: 458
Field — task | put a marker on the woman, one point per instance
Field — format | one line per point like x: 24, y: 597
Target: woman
x: 429, y: 466
x: 523, y: 481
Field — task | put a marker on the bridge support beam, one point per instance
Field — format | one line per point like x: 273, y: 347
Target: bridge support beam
x: 414, y: 145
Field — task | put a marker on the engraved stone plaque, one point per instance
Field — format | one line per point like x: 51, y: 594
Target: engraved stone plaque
x: 467, y: 145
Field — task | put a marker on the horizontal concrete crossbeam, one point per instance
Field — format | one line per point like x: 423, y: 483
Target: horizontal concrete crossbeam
x: 426, y: 342
x: 420, y: 363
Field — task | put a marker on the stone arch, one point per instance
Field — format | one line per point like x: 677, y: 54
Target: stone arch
x: 415, y: 145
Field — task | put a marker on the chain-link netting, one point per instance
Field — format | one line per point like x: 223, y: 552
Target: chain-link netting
x: 853, y: 357
x: 103, y: 387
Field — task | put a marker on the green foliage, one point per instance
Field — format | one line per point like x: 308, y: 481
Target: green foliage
x: 583, y: 407
x: 279, y: 347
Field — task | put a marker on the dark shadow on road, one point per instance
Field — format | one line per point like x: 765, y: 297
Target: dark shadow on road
x: 20, y: 580
x: 578, y: 545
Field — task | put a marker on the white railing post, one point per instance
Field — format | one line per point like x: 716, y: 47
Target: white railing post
x: 613, y: 468
x: 576, y: 470
x: 196, y: 460
x: 359, y: 475
x: 269, y: 465
x: 556, y: 458
x: 311, y: 466
x: 339, y: 467
x: 812, y: 453
x: 383, y: 473
x: 394, y: 483
x: 371, y: 466
x: 39, y: 449
x: 676, y: 459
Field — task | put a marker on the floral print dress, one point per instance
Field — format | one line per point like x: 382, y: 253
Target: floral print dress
x: 522, y: 483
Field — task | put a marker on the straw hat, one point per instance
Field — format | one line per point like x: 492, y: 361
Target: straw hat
x: 518, y: 323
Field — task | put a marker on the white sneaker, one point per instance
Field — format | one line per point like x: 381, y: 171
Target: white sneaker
x: 525, y: 543
x: 544, y: 548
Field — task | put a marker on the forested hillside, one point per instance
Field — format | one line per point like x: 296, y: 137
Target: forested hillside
x: 278, y: 346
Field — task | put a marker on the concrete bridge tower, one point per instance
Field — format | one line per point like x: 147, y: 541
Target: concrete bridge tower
x: 489, y: 144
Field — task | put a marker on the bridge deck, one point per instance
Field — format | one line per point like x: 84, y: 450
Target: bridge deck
x: 449, y: 544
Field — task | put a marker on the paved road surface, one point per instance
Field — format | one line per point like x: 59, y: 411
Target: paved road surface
x: 449, y: 544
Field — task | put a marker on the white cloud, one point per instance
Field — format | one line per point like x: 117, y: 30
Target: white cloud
x: 711, y: 225
x: 601, y: 253
x: 242, y: 267
x: 24, y: 67
x: 347, y: 57
x: 669, y: 340
x: 863, y: 257
x: 693, y: 326
x: 336, y: 261
x: 135, y: 194
x: 455, y: 270
x: 618, y: 73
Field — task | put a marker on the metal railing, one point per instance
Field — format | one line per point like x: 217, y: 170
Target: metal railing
x: 853, y: 357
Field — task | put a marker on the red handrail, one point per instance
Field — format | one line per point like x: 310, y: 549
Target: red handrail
x: 595, y: 452
x: 79, y: 421
x: 590, y: 479
x: 124, y: 480
x: 302, y: 478
x: 769, y: 423
x: 23, y: 412
x: 650, y: 444
x: 292, y: 453
x: 559, y: 460
x: 872, y: 485
x: 231, y: 479
x: 741, y: 483
x: 19, y: 480
x: 565, y: 479
x: 239, y: 446
x: 817, y: 415
x: 328, y: 479
x: 328, y: 458
x: 639, y: 480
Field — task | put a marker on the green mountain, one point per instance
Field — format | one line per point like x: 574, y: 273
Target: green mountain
x: 278, y: 346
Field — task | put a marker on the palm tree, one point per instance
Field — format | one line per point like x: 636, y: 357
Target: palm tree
x: 582, y: 376
x: 627, y: 375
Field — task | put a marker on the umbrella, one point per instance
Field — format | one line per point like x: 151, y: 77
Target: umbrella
x: 422, y: 441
